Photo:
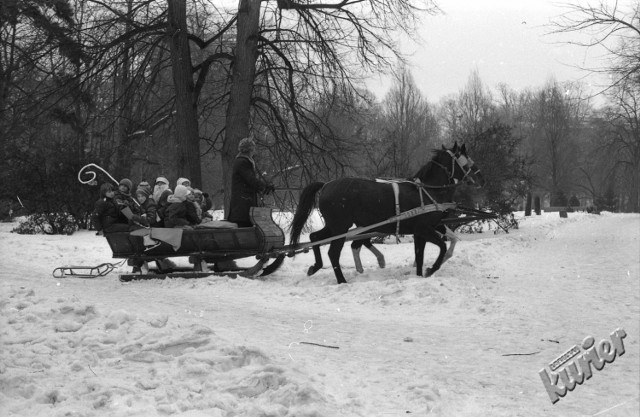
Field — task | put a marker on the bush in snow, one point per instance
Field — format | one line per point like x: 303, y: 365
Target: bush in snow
x: 504, y: 222
x: 48, y: 223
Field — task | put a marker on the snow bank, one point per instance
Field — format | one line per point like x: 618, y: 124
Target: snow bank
x: 62, y: 357
x: 468, y: 341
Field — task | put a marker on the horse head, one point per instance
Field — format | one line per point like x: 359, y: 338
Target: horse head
x: 464, y: 169
x: 449, y: 167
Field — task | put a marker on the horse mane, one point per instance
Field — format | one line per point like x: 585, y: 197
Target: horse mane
x: 427, y: 169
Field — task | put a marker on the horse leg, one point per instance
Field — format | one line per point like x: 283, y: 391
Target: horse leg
x: 454, y: 240
x: 376, y: 252
x: 418, y: 248
x: 355, y: 249
x: 432, y: 236
x: 334, y: 255
x: 314, y: 237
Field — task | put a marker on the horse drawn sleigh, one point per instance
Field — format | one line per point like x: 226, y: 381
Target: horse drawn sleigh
x: 422, y: 207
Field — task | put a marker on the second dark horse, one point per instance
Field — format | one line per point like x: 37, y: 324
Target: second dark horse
x: 348, y: 201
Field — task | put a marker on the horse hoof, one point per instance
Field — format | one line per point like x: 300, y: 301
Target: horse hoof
x: 428, y: 272
x: 360, y: 269
x: 312, y: 270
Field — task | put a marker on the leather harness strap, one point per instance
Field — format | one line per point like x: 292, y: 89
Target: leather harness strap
x: 396, y: 194
x: 421, y: 190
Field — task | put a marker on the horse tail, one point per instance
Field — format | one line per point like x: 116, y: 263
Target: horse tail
x: 305, y: 205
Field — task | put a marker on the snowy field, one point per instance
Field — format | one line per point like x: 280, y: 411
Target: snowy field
x: 469, y: 341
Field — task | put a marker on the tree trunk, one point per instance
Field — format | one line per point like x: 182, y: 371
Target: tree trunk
x: 122, y: 94
x: 243, y: 76
x: 527, y: 207
x: 187, y: 137
x: 635, y: 186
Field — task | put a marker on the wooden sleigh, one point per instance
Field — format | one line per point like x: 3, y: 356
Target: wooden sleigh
x: 206, y: 247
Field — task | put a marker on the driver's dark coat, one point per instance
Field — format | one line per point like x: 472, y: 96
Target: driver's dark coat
x: 245, y: 186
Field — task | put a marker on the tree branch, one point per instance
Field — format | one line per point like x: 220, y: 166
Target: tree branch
x: 291, y: 5
x: 203, y: 44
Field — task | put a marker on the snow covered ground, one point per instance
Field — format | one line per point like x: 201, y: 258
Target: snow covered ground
x: 468, y: 341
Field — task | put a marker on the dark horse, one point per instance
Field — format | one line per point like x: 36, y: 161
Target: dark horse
x: 348, y: 201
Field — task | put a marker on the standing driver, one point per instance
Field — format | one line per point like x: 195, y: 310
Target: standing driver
x: 246, y: 183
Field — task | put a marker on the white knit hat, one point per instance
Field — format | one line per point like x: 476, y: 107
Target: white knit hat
x: 181, y: 193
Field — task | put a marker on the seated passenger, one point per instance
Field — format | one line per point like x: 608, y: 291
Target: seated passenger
x: 180, y: 212
x: 193, y: 199
x: 183, y: 181
x: 124, y: 200
x: 145, y: 185
x: 106, y: 216
x: 207, y: 202
x: 161, y: 192
x: 148, y: 209
x: 200, y: 206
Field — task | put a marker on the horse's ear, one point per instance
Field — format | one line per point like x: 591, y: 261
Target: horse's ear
x: 464, y: 149
x: 455, y: 147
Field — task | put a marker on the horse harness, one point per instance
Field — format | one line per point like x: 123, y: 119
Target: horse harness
x: 465, y: 164
x: 396, y: 193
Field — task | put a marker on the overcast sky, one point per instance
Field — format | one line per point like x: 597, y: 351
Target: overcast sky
x: 505, y: 40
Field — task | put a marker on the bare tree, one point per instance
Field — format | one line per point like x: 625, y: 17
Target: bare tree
x: 187, y: 136
x: 475, y: 107
x: 410, y: 126
x: 39, y: 54
x: 468, y: 113
x: 298, y: 50
x: 623, y: 117
x: 612, y: 25
x: 615, y: 27
x: 559, y: 111
x: 493, y: 130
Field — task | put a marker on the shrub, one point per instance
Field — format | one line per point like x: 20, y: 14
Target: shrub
x: 48, y: 223
x: 504, y: 222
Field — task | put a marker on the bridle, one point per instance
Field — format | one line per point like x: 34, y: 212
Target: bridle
x: 464, y: 163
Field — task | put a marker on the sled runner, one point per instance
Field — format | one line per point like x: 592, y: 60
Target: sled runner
x: 181, y: 273
x: 83, y: 271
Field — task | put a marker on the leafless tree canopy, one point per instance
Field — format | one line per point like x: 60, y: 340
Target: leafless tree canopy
x: 148, y: 88
x: 613, y: 27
